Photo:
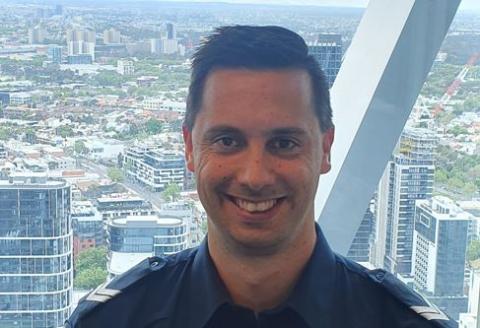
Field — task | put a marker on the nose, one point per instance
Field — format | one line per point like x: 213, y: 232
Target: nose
x: 256, y: 169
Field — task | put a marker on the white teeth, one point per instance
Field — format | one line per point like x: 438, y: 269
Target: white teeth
x: 255, y: 206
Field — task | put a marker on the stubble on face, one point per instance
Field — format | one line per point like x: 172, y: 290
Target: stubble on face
x: 255, y: 103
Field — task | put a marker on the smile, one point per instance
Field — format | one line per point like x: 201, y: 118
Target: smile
x: 252, y: 206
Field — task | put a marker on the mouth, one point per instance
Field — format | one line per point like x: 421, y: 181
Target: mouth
x: 254, y: 206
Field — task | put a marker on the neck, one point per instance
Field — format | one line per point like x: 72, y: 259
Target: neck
x: 261, y: 282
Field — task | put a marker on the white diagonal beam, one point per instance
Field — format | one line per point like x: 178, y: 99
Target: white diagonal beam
x: 381, y: 76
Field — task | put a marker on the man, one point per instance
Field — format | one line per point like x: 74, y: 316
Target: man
x: 258, y: 134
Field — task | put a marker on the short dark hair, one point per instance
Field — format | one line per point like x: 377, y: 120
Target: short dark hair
x: 257, y: 48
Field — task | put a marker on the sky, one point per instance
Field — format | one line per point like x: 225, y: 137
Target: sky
x: 465, y: 5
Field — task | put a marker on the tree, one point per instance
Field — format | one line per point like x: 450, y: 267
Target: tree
x: 153, y: 126
x: 90, y: 278
x: 64, y: 131
x: 457, y: 130
x: 115, y: 174
x: 441, y: 176
x: 91, y: 268
x: 473, y: 251
x: 171, y: 192
x: 80, y: 147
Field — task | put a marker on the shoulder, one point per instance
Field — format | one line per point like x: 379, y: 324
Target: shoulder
x: 117, y: 302
x: 396, y: 300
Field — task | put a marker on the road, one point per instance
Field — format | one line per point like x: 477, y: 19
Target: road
x: 100, y: 169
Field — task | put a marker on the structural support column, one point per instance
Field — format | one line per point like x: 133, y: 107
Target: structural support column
x: 381, y: 76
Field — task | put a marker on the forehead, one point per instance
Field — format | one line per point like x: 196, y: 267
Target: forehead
x: 258, y: 96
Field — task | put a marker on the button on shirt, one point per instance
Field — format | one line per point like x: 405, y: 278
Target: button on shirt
x: 185, y: 291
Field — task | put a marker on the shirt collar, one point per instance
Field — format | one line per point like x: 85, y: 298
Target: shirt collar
x: 208, y: 291
x: 312, y: 297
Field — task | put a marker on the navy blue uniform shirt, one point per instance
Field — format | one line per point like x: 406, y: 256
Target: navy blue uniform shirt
x: 185, y: 291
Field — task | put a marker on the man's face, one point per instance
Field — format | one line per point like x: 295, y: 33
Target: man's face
x: 257, y: 152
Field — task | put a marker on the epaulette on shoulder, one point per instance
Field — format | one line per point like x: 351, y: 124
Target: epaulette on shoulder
x: 114, y: 288
x: 411, y: 299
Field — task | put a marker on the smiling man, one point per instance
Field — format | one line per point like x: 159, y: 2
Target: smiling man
x: 258, y: 134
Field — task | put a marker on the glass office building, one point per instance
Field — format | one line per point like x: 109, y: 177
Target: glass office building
x: 135, y: 238
x: 328, y: 51
x: 36, y: 277
x: 439, y: 253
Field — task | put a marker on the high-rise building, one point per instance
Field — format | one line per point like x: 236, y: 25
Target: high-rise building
x: 81, y: 42
x: 471, y: 319
x: 111, y: 35
x: 36, y: 35
x: 439, y: 253
x: 155, y: 46
x: 362, y: 245
x: 135, y: 238
x: 36, y: 276
x: 55, y: 53
x: 408, y: 177
x: 328, y: 51
x: 169, y: 46
x: 171, y: 31
x: 58, y: 10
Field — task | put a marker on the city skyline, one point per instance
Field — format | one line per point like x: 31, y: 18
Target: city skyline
x: 465, y: 4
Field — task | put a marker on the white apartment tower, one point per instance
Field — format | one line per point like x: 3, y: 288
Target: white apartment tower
x: 408, y: 177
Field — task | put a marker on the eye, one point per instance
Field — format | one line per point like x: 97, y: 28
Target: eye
x: 226, y: 144
x: 283, y: 144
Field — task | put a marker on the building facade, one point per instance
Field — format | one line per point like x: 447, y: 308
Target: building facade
x: 55, y: 53
x: 362, y: 245
x: 123, y: 205
x: 328, y: 51
x: 3, y: 151
x: 36, y: 35
x: 471, y: 319
x: 111, y: 35
x: 125, y: 67
x: 88, y: 227
x: 135, y: 238
x: 154, y: 168
x: 408, y: 177
x: 439, y: 253
x: 36, y: 276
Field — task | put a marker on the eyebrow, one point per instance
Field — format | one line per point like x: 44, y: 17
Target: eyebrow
x: 220, y: 129
x: 288, y: 131
x: 226, y: 129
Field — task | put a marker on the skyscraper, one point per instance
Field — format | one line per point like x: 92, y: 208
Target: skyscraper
x: 471, y: 319
x: 111, y: 36
x: 328, y: 51
x: 36, y: 35
x: 171, y: 31
x: 439, y: 251
x: 362, y: 245
x: 55, y: 53
x: 408, y: 177
x: 36, y: 276
x: 81, y: 42
x: 59, y: 10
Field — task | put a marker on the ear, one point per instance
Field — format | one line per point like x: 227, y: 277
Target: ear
x: 327, y: 142
x: 187, y: 139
